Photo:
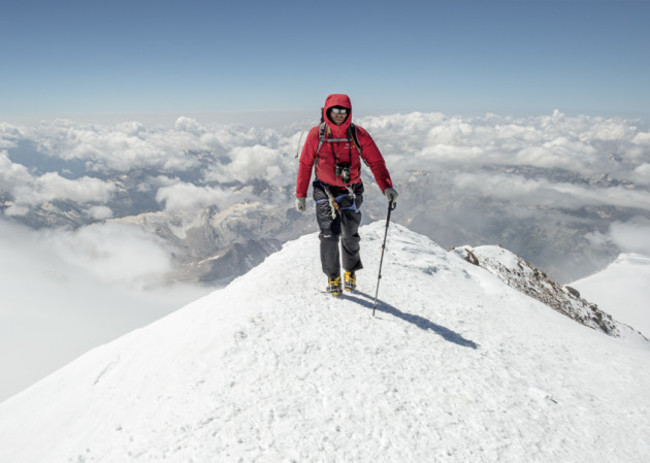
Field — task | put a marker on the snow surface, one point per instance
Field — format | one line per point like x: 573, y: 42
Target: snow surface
x: 622, y: 289
x: 456, y: 366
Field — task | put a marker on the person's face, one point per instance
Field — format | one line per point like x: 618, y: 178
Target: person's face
x: 338, y: 115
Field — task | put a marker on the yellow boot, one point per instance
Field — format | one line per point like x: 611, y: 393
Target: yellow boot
x: 349, y: 281
x: 334, y: 286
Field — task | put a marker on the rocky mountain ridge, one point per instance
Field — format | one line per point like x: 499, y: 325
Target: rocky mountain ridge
x: 528, y: 279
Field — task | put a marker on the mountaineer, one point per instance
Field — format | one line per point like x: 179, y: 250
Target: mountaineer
x: 336, y: 147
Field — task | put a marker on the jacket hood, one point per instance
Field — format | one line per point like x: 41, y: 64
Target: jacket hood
x: 338, y: 99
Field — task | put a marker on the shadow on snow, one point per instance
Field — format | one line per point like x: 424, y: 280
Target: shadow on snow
x: 420, y: 322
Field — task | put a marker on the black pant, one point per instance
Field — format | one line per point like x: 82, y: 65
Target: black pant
x: 344, y: 225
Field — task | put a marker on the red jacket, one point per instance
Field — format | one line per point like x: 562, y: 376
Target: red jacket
x: 333, y: 153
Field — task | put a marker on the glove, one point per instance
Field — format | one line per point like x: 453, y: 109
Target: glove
x: 300, y: 204
x: 391, y: 194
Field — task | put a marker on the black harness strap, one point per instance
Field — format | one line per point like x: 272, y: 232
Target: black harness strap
x: 352, y: 137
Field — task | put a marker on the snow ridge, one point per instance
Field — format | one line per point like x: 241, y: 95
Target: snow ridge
x: 617, y: 288
x: 525, y: 277
x: 456, y: 366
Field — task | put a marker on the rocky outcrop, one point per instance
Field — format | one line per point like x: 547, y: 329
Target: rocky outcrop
x: 525, y: 277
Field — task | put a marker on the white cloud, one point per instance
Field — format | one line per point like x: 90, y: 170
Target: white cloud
x: 642, y: 174
x: 100, y: 212
x: 16, y: 210
x: 632, y: 236
x: 186, y: 196
x: 65, y: 292
x: 188, y: 124
x: 52, y: 186
x: 12, y: 174
x: 121, y: 147
x: 28, y: 190
x: 542, y: 192
x: 116, y: 253
x: 642, y: 138
x: 249, y: 162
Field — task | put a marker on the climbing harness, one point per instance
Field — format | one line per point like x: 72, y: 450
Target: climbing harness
x: 335, y: 200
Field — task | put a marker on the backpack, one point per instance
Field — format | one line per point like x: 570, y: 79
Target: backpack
x: 352, y: 136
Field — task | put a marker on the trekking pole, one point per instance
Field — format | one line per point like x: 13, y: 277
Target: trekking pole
x: 391, y: 205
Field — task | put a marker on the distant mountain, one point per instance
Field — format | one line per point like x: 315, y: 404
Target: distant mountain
x: 456, y: 366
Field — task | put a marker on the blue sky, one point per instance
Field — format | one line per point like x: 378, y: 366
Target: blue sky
x: 457, y: 57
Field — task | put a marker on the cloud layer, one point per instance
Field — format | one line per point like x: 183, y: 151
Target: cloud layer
x: 592, y: 149
x: 543, y: 162
x: 64, y: 292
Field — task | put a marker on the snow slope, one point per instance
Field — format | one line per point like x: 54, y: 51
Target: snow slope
x: 526, y: 278
x: 622, y: 289
x: 456, y: 366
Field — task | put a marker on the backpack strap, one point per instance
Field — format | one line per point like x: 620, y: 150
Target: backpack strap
x: 321, y: 136
x: 324, y: 130
x: 352, y: 130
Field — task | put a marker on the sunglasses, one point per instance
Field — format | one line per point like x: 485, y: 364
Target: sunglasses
x: 339, y: 110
